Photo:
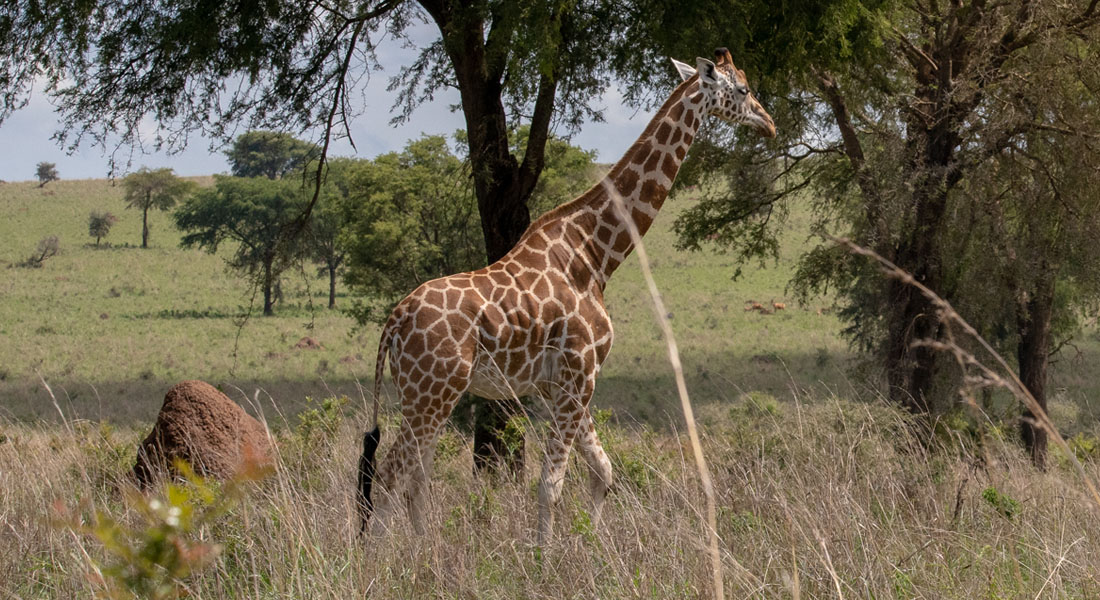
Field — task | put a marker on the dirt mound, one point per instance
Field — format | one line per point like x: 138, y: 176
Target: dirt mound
x: 202, y: 426
x: 308, y: 343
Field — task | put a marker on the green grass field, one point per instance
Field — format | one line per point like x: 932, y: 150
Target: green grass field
x: 821, y: 490
x: 111, y: 329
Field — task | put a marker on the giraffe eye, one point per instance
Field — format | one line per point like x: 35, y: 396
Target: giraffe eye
x: 744, y: 91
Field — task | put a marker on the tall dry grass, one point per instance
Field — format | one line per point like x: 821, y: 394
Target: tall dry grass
x: 817, y: 498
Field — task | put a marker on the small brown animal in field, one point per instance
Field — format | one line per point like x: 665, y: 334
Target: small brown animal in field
x: 778, y: 305
x: 753, y: 305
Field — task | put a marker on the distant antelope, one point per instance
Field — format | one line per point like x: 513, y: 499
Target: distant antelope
x: 778, y: 305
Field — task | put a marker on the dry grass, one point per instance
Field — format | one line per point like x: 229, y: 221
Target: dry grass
x: 819, y: 499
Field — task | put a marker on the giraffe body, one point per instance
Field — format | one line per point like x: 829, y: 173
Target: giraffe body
x: 534, y: 322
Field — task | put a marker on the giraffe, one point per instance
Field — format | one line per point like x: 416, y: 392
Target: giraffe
x: 534, y: 322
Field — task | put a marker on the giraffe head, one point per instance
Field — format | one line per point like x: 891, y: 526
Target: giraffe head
x: 727, y: 92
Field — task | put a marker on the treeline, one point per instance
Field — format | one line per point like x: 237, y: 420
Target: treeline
x: 386, y: 225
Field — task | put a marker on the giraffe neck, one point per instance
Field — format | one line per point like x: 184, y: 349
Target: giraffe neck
x: 592, y: 223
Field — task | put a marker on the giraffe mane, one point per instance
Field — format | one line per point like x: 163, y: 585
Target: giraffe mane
x: 598, y: 191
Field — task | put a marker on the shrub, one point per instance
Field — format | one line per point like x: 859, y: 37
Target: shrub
x: 48, y: 247
x: 46, y: 172
x: 99, y: 224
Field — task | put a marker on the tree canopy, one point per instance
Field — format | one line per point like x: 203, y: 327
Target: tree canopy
x: 253, y: 212
x: 270, y: 154
x: 158, y: 189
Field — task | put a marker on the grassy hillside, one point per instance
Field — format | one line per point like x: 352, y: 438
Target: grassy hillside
x: 110, y: 329
x: 822, y: 492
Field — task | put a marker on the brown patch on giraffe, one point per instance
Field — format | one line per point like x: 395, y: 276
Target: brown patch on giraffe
x: 676, y: 136
x: 415, y: 344
x: 531, y: 259
x: 453, y: 299
x: 603, y: 234
x: 622, y: 242
x: 669, y: 166
x: 676, y: 111
x: 440, y: 331
x: 499, y: 277
x: 526, y: 279
x: 652, y: 191
x: 535, y: 242
x: 627, y: 181
x: 662, y: 133
x: 696, y: 99
x: 426, y: 315
x: 642, y: 220
x: 641, y: 154
x: 654, y: 160
x: 681, y: 152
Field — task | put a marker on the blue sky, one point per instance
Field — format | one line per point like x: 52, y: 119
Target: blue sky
x: 25, y: 136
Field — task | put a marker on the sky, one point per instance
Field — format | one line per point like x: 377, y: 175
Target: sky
x: 25, y: 136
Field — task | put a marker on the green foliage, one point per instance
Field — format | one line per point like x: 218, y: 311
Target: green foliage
x: 158, y: 189
x: 411, y: 216
x: 254, y: 213
x: 1001, y: 502
x: 270, y: 154
x: 153, y: 557
x: 317, y: 426
x: 569, y: 170
x: 46, y: 172
x: 99, y: 224
x: 1085, y: 448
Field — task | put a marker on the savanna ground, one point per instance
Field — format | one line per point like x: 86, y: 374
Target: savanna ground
x: 821, y: 490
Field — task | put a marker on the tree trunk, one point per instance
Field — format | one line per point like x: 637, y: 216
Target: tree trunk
x: 501, y: 183
x: 145, y: 227
x: 332, y: 286
x: 267, y: 283
x: 1033, y: 319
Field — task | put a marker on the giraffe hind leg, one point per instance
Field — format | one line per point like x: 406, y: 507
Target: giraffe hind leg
x: 599, y: 466
x: 568, y: 410
x: 416, y: 494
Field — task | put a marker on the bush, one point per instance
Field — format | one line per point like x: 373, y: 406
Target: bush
x: 46, y: 172
x: 99, y: 224
x: 47, y: 247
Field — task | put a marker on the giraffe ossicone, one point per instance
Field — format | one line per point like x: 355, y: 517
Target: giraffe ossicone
x: 534, y: 322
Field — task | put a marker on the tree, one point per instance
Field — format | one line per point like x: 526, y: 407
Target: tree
x: 328, y: 220
x: 99, y: 224
x: 270, y: 154
x: 253, y: 212
x: 410, y: 216
x: 889, y: 112
x: 158, y: 188
x: 46, y: 172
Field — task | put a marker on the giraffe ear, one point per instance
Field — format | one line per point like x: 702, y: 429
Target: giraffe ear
x: 685, y: 70
x: 707, y: 73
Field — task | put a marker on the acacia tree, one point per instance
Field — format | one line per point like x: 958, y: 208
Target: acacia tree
x: 46, y: 172
x: 157, y: 188
x: 99, y: 224
x: 254, y: 213
x: 270, y: 154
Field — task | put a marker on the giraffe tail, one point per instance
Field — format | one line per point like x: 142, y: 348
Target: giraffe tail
x: 367, y: 462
